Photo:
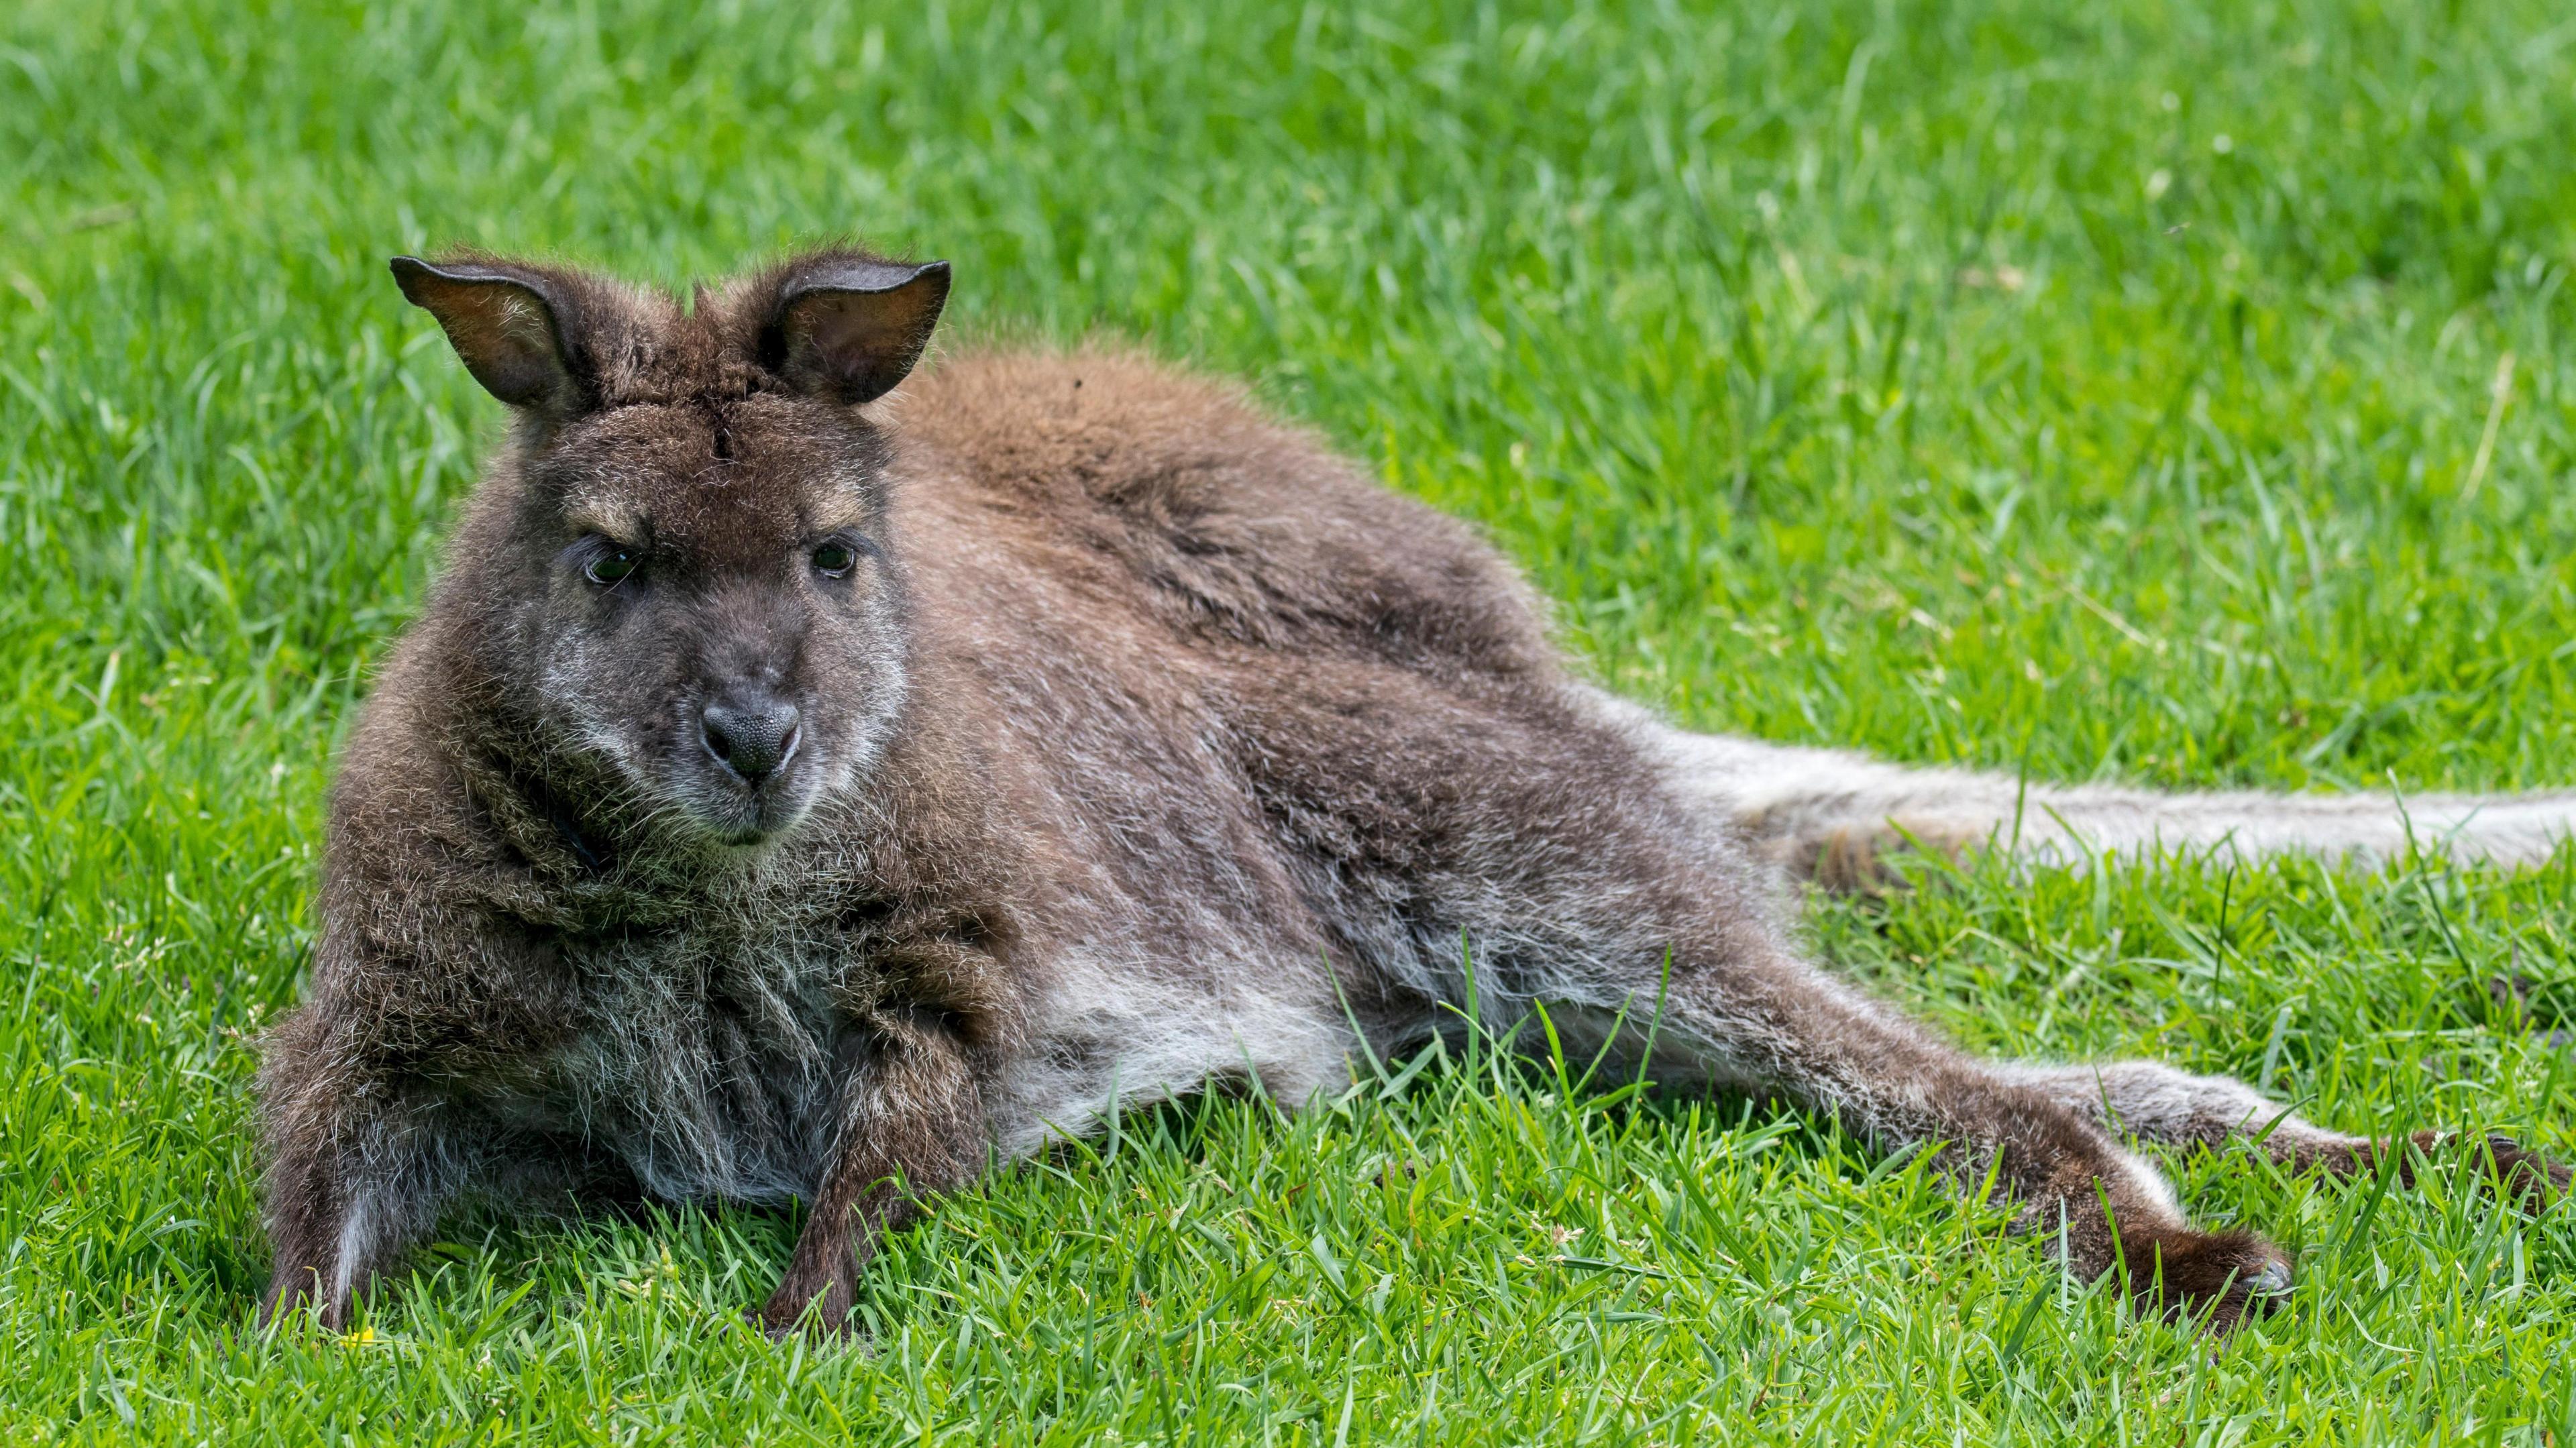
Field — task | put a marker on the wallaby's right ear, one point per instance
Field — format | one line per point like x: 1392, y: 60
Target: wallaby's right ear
x: 508, y: 325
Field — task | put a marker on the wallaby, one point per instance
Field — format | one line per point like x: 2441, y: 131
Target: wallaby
x: 801, y: 790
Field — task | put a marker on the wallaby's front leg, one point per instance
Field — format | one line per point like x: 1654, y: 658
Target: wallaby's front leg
x: 356, y: 1172
x: 335, y: 1222
x: 911, y: 1125
x: 1767, y: 1020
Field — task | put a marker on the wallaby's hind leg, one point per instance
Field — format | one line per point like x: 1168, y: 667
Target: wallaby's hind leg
x: 1781, y: 1025
x: 2159, y: 1103
x: 1607, y: 872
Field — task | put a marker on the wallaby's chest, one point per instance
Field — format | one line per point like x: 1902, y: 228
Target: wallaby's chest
x: 708, y: 1061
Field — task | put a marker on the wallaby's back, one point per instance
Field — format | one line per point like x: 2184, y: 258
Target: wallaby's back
x: 1228, y: 527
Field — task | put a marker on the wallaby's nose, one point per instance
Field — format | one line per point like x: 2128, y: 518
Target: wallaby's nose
x: 754, y: 739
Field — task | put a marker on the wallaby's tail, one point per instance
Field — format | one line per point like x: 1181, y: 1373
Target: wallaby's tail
x: 1829, y: 815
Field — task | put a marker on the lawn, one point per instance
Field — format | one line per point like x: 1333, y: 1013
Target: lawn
x: 2182, y: 393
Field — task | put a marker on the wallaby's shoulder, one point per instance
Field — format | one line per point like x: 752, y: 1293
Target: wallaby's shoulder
x: 1229, y: 521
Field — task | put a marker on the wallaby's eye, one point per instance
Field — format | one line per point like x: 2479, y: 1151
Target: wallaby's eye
x: 834, y: 558
x: 611, y: 565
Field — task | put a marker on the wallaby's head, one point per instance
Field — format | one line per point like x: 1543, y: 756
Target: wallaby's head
x: 680, y: 574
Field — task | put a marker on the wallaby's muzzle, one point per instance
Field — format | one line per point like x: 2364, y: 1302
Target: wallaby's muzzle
x: 752, y: 735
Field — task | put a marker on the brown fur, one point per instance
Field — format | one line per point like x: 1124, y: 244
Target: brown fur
x: 1142, y: 745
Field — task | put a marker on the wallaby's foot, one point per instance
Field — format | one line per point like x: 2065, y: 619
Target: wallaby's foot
x: 2217, y: 1278
x: 2524, y: 1176
x: 2521, y: 1175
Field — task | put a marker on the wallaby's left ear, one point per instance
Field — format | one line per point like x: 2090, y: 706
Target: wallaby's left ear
x: 849, y: 328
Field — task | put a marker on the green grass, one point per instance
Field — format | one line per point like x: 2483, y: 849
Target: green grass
x: 2110, y: 389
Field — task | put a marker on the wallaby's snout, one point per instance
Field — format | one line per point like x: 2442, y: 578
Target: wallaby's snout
x: 753, y: 733
x: 761, y: 727
x: 744, y: 781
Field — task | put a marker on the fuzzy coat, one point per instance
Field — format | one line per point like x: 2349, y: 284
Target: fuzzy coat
x: 1121, y: 742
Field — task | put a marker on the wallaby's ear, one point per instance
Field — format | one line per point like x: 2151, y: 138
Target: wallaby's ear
x: 849, y: 328
x: 508, y: 325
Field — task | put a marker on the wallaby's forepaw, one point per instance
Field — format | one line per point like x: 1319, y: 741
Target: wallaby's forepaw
x: 2217, y: 1278
x: 292, y: 1291
x: 799, y: 1304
